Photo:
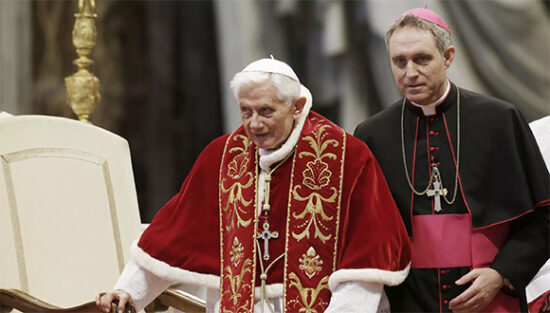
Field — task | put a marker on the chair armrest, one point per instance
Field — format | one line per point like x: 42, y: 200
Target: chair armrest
x: 177, y: 299
x: 16, y: 299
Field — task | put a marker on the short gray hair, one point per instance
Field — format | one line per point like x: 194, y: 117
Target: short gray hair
x: 441, y: 35
x: 288, y: 89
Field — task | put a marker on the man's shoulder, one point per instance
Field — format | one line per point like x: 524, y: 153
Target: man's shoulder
x: 210, y: 157
x: 353, y: 146
x: 380, y: 120
x: 358, y: 149
x: 215, y: 147
x: 477, y: 102
x: 219, y: 141
x: 489, y: 113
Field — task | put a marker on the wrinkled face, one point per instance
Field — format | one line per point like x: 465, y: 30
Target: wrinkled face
x: 419, y: 69
x: 266, y: 119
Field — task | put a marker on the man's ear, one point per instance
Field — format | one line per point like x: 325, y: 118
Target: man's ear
x: 449, y: 56
x: 298, y: 107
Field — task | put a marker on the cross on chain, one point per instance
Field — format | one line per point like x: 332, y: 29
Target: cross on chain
x: 437, y: 192
x: 266, y: 235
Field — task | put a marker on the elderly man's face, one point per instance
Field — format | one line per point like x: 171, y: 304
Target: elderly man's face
x: 267, y: 120
x: 418, y: 67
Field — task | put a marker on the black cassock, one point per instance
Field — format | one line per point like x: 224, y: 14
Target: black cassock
x: 502, y: 179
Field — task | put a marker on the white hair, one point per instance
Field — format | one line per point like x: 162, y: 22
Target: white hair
x: 288, y: 89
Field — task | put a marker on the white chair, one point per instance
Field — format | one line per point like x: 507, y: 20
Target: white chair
x: 68, y: 214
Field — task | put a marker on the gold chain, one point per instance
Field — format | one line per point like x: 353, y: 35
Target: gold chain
x: 434, y: 170
x: 266, y: 208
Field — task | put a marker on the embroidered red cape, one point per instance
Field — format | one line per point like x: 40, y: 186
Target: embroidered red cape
x: 367, y: 231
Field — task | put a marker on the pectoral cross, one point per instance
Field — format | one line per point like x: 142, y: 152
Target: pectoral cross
x: 436, y: 192
x: 266, y: 235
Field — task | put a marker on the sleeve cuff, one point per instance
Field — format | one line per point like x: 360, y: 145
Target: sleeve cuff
x: 357, y: 297
x: 368, y: 275
x: 141, y: 284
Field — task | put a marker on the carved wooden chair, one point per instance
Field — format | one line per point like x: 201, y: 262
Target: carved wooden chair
x: 68, y: 215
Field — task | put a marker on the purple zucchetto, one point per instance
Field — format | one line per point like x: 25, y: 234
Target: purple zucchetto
x: 428, y: 15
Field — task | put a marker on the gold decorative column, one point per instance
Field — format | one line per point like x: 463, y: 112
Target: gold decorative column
x: 83, y: 86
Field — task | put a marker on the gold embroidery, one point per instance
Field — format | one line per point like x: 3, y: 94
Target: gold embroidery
x: 316, y: 176
x: 308, y: 296
x: 236, y: 283
x: 319, y: 181
x: 237, y: 252
x: 237, y: 170
x: 314, y: 207
x: 311, y: 263
x: 339, y: 202
x: 237, y: 166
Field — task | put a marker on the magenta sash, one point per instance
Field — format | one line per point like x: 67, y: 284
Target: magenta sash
x: 448, y: 240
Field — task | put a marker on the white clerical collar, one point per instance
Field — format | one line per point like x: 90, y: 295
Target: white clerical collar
x: 430, y: 109
x: 270, y: 157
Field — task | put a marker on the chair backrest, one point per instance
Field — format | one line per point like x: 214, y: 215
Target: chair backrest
x: 68, y: 208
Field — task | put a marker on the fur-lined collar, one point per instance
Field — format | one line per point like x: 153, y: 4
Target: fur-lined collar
x: 270, y: 157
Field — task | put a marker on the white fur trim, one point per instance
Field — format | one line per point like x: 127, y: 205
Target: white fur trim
x: 174, y: 274
x: 368, y: 275
x: 269, y: 157
x: 272, y: 290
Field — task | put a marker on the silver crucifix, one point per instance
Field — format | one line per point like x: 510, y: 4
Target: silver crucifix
x: 266, y: 235
x: 437, y: 192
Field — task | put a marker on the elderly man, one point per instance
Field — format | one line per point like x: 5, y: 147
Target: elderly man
x: 466, y: 175
x: 288, y: 213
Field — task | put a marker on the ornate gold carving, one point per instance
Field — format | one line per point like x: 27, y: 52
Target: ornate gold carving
x: 237, y: 170
x: 83, y: 87
x: 236, y: 284
x: 311, y: 263
x: 308, y: 296
x: 237, y: 252
x: 316, y: 177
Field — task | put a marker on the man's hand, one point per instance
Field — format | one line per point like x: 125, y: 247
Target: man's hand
x: 486, y: 283
x: 103, y: 301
